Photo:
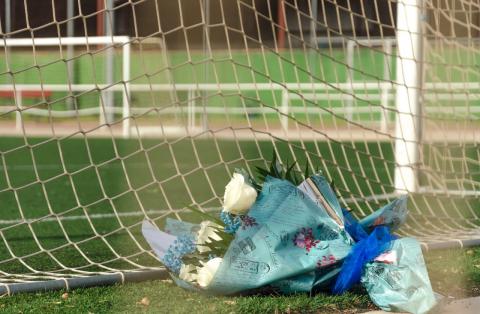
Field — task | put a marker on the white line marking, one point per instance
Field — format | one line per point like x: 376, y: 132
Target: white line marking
x: 51, y: 218
x: 108, y: 164
x: 95, y: 216
x: 376, y: 197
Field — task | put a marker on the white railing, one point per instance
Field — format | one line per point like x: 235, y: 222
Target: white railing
x: 290, y: 92
x: 386, y: 44
x: 123, y: 41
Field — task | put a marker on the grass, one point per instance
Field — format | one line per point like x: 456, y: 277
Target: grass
x: 453, y: 273
x: 165, y: 297
x: 83, y: 176
x: 77, y: 177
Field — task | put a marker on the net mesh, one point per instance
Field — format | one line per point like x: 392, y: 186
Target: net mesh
x: 153, y: 104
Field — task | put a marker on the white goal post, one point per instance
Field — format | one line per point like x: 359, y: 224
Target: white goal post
x: 409, y: 79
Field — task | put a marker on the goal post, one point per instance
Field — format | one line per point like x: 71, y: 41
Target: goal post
x: 408, y: 94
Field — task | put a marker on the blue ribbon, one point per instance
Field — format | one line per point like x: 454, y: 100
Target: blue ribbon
x: 367, y: 248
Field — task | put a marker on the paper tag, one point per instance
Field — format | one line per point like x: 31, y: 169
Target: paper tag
x: 387, y: 257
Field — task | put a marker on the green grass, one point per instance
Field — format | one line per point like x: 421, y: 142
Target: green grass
x: 453, y: 273
x: 165, y: 297
x: 85, y: 176
x: 150, y: 66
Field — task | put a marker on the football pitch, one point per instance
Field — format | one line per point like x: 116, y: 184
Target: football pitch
x: 83, y: 201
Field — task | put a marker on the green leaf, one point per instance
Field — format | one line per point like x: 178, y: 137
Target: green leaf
x: 205, y: 215
x: 261, y: 176
x: 334, y: 189
x: 275, y: 167
x: 272, y: 163
x: 277, y: 170
x: 262, y: 171
x: 257, y: 187
x: 298, y: 179
x: 306, y: 174
x: 288, y: 174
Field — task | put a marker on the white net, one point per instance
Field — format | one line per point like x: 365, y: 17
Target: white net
x: 116, y: 111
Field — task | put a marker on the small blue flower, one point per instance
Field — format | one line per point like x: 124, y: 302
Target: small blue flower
x: 173, y: 257
x: 231, y: 223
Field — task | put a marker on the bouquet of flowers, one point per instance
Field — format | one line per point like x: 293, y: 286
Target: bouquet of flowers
x: 287, y: 231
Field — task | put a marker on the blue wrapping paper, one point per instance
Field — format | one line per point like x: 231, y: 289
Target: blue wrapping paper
x: 403, y: 285
x: 297, y: 239
x: 393, y: 215
x: 288, y: 237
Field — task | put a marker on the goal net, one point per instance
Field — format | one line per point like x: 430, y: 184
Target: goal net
x: 112, y: 112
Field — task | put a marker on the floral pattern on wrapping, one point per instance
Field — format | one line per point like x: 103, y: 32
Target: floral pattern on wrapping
x: 326, y: 233
x: 326, y: 261
x: 304, y: 239
x: 248, y: 221
x: 173, y: 257
x: 232, y: 223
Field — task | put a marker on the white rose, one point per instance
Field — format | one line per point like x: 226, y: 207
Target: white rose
x: 205, y: 274
x: 239, y: 196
